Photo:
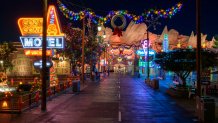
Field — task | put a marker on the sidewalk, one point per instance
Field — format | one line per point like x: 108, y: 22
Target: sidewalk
x: 72, y: 107
x: 187, y: 104
x: 35, y: 114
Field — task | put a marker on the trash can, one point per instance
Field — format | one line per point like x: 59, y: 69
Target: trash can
x: 76, y: 86
x: 207, y: 109
x: 148, y: 81
x: 155, y: 83
x: 138, y: 75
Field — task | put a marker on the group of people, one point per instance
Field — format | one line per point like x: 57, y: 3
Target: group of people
x: 76, y: 70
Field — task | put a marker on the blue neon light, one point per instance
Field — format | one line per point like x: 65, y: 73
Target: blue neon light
x: 55, y: 42
x: 38, y: 64
x: 141, y: 52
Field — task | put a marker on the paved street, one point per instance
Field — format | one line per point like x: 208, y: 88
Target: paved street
x: 118, y: 98
x: 142, y: 104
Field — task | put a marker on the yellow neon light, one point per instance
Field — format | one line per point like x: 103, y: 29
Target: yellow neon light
x: 34, y: 26
x: 30, y: 26
x: 4, y: 104
x: 53, y: 22
x: 37, y: 52
x: 204, y: 45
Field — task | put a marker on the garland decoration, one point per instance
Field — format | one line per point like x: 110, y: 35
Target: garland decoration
x: 76, y: 16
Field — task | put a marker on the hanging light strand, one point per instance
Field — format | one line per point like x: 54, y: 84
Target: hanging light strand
x: 97, y: 19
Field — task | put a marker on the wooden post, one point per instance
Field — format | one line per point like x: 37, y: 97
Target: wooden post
x: 44, y: 69
x: 198, y: 52
x: 148, y: 71
x: 83, y: 52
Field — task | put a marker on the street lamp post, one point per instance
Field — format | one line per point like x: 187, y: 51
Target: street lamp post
x: 148, y: 70
x: 2, y: 65
x: 198, y: 61
x: 99, y: 40
x: 152, y: 21
x: 83, y: 51
x: 198, y: 54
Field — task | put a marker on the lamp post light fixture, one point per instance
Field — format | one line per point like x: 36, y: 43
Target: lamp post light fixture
x: 83, y: 50
x: 99, y: 28
x: 1, y: 64
x: 104, y: 36
x: 101, y: 39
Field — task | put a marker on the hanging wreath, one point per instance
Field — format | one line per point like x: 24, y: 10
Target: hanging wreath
x: 118, y: 29
x: 114, y: 18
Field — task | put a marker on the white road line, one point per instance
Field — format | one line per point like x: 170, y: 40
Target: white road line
x: 119, y: 116
x: 119, y: 95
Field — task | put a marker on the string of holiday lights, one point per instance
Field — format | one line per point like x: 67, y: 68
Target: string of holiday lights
x: 97, y: 19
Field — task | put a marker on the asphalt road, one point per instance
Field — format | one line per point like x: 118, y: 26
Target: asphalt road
x: 117, y: 98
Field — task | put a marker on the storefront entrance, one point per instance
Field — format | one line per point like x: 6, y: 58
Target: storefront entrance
x: 119, y: 68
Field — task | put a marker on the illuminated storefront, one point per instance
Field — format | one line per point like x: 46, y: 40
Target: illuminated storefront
x: 142, y: 64
x: 27, y: 61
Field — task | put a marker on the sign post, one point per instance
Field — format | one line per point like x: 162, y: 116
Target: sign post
x: 205, y: 81
x: 44, y: 68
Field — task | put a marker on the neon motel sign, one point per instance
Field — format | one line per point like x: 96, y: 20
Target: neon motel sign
x: 36, y: 42
x: 31, y: 30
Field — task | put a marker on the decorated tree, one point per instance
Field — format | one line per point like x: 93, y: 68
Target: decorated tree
x: 183, y: 61
x: 5, y: 50
x: 5, y: 62
x: 73, y: 39
x: 93, y: 46
x: 73, y: 45
x: 216, y: 41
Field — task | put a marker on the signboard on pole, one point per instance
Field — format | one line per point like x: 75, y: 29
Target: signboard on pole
x: 205, y: 77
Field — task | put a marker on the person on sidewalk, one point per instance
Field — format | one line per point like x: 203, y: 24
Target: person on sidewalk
x: 108, y: 72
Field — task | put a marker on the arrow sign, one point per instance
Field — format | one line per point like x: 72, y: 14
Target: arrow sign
x: 38, y: 64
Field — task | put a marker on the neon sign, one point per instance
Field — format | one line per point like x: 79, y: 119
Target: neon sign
x: 31, y: 30
x: 33, y: 26
x: 36, y: 42
x: 165, y: 43
x: 38, y: 64
x: 144, y: 44
x: 142, y: 53
x: 143, y: 64
x: 30, y: 26
x: 37, y: 52
x: 53, y: 22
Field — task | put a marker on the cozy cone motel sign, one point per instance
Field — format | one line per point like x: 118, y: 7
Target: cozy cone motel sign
x: 31, y: 30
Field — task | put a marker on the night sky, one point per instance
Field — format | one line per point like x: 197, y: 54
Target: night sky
x: 183, y: 21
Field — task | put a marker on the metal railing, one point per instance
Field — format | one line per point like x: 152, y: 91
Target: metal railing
x: 19, y: 103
